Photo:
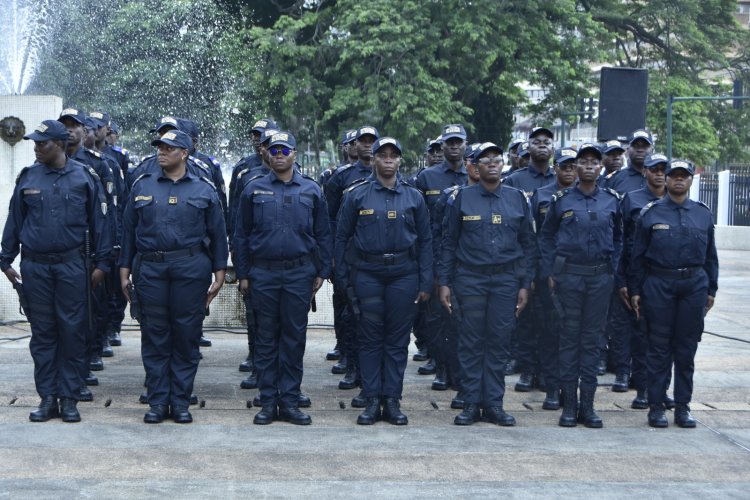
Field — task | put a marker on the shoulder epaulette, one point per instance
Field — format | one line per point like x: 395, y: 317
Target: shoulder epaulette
x: 355, y: 185
x: 206, y: 179
x: 200, y: 163
x: 305, y: 176
x: 93, y: 173
x: 92, y: 152
x: 242, y: 172
x: 612, y: 192
x: 454, y: 195
x: 140, y: 177
x: 609, y: 175
x: 449, y: 190
x: 647, y: 207
x: 21, y: 173
x: 145, y: 159
x: 703, y: 205
x: 559, y: 194
x: 344, y: 167
x: 121, y: 150
x: 214, y: 161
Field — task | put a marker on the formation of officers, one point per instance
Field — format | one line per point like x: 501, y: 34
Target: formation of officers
x: 535, y: 269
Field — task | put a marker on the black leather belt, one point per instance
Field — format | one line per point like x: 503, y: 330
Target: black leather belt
x: 52, y: 258
x: 171, y: 255
x: 387, y: 259
x: 580, y: 270
x: 682, y: 273
x: 278, y: 265
x: 493, y: 268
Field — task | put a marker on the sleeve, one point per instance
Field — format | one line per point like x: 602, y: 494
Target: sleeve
x: 548, y: 240
x: 436, y: 223
x: 11, y: 243
x: 627, y: 244
x: 527, y: 240
x: 636, y: 273
x: 99, y: 227
x: 233, y: 200
x: 217, y: 234
x: 240, y: 240
x: 333, y: 193
x: 221, y: 191
x: 424, y: 244
x: 618, y: 238
x: 323, y: 236
x: 712, y: 263
x: 345, y: 226
x: 451, y: 230
x: 127, y: 243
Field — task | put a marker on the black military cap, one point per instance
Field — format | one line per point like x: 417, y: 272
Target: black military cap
x: 613, y: 145
x: 641, y: 134
x: 541, y: 130
x: 165, y: 121
x: 386, y: 141
x: 263, y: 124
x: 565, y: 154
x: 283, y: 138
x: 176, y: 138
x: 654, y: 160
x: 73, y: 113
x: 484, y: 147
x: 367, y: 130
x: 102, y: 118
x: 453, y: 130
x: 681, y: 165
x: 589, y: 146
x: 49, y: 130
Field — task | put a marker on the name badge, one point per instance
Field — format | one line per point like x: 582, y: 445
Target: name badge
x: 391, y: 214
x: 567, y: 214
x: 31, y: 191
x: 173, y: 200
x: 543, y: 210
x: 143, y: 198
x: 367, y: 211
x: 472, y: 217
x: 432, y: 192
x: 497, y: 219
x: 660, y: 226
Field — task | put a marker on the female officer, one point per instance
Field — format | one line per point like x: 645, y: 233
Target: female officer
x: 173, y: 238
x: 674, y: 273
x: 383, y: 235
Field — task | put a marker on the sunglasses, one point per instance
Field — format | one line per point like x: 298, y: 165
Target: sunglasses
x: 283, y: 151
x: 498, y: 160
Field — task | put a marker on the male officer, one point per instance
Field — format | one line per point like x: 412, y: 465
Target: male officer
x: 434, y: 152
x: 488, y: 259
x: 674, y: 277
x: 344, y: 177
x: 97, y: 343
x: 56, y: 214
x: 628, y: 345
x: 538, y: 173
x: 432, y: 181
x: 283, y: 247
x: 523, y: 155
x: 581, y: 243
x: 612, y: 160
x: 629, y: 179
x: 546, y: 325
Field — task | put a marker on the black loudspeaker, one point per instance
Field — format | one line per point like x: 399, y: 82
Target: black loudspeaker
x: 623, y: 94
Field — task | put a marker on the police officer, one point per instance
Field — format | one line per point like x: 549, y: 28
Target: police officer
x: 56, y: 214
x: 627, y: 345
x: 97, y: 343
x: 283, y: 247
x: 538, y: 173
x: 523, y: 155
x: 383, y: 236
x: 612, y: 160
x: 547, y: 320
x: 581, y: 242
x: 488, y: 259
x: 334, y: 190
x: 174, y: 238
x: 512, y: 157
x: 434, y: 152
x: 631, y: 178
x: 432, y: 182
x: 673, y: 280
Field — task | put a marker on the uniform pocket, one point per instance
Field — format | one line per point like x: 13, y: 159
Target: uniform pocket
x: 75, y: 210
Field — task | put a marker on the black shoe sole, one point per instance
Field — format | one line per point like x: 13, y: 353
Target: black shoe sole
x: 338, y: 370
x: 71, y: 419
x: 658, y: 425
x: 522, y: 388
x: 619, y: 388
x: 96, y: 368
x: 552, y: 407
x: 108, y: 354
x: 439, y: 387
x: 115, y: 343
x: 347, y: 386
x: 245, y: 368
x: 422, y: 371
x: 333, y: 357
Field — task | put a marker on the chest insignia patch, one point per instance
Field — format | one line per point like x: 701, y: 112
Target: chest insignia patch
x: 173, y: 200
x: 31, y: 191
x: 497, y: 219
x: 432, y: 192
x: 660, y: 226
x: 391, y: 214
x: 367, y: 211
x: 143, y: 198
x: 566, y: 214
x: 472, y: 217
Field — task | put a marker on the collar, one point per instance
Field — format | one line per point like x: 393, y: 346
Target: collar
x: 397, y: 187
x: 294, y: 180
x: 447, y: 168
x: 187, y: 177
x: 581, y: 194
x: 687, y: 205
x: 483, y: 191
x: 536, y: 173
x: 67, y: 168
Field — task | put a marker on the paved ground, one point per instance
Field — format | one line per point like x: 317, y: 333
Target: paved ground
x: 113, y: 454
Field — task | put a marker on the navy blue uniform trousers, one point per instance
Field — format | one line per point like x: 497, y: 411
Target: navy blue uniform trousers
x: 674, y: 310
x: 386, y: 301
x: 487, y: 304
x: 58, y: 317
x: 281, y: 302
x: 173, y: 304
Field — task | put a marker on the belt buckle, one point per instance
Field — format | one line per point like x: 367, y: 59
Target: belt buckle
x: 159, y: 256
x: 684, y: 272
x: 389, y: 259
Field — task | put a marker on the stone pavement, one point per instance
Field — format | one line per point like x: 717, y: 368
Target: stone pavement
x: 113, y: 454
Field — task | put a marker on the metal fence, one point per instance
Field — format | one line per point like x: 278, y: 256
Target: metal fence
x: 739, y: 196
x: 709, y: 192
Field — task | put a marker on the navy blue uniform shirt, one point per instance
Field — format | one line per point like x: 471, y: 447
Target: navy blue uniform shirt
x: 380, y: 220
x: 163, y: 215
x: 540, y: 201
x: 630, y: 206
x: 103, y: 169
x: 50, y: 211
x: 672, y: 236
x: 279, y: 220
x: 432, y: 181
x: 437, y: 214
x: 586, y: 229
x: 342, y: 178
x: 483, y: 228
x: 626, y: 180
x: 529, y: 179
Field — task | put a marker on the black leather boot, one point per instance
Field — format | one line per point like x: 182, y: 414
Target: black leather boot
x: 372, y: 412
x: 359, y: 401
x: 640, y: 402
x: 428, y: 368
x: 682, y: 416
x: 421, y: 355
x: 392, y: 412
x: 621, y: 383
x: 155, y: 414
x: 468, y: 416
x: 107, y: 351
x: 441, y: 378
x: 525, y: 382
x: 570, y: 406
x: 656, y: 416
x: 496, y: 415
x: 586, y: 414
x: 293, y: 415
x: 251, y: 381
x: 68, y: 410
x: 247, y: 365
x: 266, y: 415
x: 351, y: 379
x: 47, y: 409
x: 552, y: 400
x: 340, y: 367
x: 334, y: 354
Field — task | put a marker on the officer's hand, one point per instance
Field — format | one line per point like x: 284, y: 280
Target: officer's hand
x: 213, y: 290
x: 97, y: 277
x: 244, y: 287
x: 445, y: 298
x: 624, y: 297
x: 124, y: 284
x: 317, y: 284
x: 709, y: 304
x: 635, y: 301
x: 12, y: 275
x: 422, y: 297
x: 551, y: 284
x: 523, y: 299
